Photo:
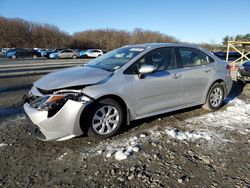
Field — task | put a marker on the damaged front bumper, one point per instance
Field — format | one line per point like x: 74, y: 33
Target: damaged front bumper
x: 65, y: 124
x: 54, y: 120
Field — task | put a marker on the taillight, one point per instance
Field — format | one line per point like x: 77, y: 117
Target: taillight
x: 229, y: 67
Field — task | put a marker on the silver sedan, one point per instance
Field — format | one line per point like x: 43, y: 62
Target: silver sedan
x: 126, y: 84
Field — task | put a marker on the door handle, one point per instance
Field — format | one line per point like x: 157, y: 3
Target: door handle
x: 207, y: 70
x: 177, y: 75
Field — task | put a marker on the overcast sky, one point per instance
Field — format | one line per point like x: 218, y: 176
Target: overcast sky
x: 187, y: 20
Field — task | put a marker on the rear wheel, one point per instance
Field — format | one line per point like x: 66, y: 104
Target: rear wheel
x: 74, y: 57
x: 215, y: 97
x: 105, y: 119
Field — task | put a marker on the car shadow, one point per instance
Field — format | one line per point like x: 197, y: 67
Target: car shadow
x: 148, y: 120
x: 236, y: 90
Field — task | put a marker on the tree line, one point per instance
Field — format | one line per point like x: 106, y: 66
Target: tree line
x: 245, y: 37
x: 24, y: 34
x: 20, y: 33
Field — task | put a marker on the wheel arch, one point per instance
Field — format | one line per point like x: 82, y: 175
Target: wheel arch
x: 113, y: 97
x: 220, y: 81
x: 120, y: 101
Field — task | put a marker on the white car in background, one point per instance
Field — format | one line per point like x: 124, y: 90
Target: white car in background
x: 91, y: 53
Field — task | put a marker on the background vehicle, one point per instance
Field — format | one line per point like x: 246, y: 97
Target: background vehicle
x: 66, y: 53
x: 42, y: 52
x: 91, y: 53
x: 243, y: 74
x: 126, y: 84
x: 50, y: 51
x: 4, y: 50
x: 20, y: 52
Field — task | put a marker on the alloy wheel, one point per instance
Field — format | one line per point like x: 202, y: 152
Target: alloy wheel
x: 105, y: 120
x: 216, y: 97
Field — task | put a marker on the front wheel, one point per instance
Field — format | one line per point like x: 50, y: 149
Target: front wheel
x: 74, y: 57
x: 105, y: 119
x: 215, y: 97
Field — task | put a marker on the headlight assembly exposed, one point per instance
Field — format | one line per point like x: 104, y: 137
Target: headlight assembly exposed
x: 56, y: 101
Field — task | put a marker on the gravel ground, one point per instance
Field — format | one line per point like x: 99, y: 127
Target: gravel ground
x: 187, y: 148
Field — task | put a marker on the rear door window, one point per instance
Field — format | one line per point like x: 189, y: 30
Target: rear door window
x: 189, y: 57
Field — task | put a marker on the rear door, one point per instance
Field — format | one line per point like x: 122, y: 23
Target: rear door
x: 197, y: 71
x: 159, y: 90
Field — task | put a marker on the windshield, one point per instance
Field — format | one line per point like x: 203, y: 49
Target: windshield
x: 115, y: 59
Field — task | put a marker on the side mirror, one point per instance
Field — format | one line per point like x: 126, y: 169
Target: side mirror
x: 146, y: 69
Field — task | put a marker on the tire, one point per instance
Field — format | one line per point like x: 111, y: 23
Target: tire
x: 84, y: 56
x: 215, y: 97
x: 13, y: 57
x: 97, y: 123
x: 74, y: 57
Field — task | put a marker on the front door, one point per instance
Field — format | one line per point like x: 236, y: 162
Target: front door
x: 159, y: 90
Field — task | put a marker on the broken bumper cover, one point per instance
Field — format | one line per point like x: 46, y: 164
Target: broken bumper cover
x: 65, y: 124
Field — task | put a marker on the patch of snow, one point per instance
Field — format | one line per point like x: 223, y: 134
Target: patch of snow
x: 62, y: 156
x: 3, y: 144
x: 20, y: 117
x: 236, y: 117
x: 136, y: 149
x: 120, y: 149
x: 185, y: 135
x: 142, y: 135
x: 209, y: 127
x: 120, y: 155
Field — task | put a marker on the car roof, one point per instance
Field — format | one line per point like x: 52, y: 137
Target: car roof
x: 150, y: 46
x: 157, y: 45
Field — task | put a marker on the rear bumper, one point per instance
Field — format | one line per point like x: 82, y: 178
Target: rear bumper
x: 65, y: 124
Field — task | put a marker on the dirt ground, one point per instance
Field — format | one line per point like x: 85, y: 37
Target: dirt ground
x: 187, y: 148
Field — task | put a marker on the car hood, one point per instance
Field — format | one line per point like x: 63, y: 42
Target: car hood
x: 70, y: 77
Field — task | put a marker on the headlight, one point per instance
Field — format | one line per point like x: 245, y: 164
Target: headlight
x: 56, y: 101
